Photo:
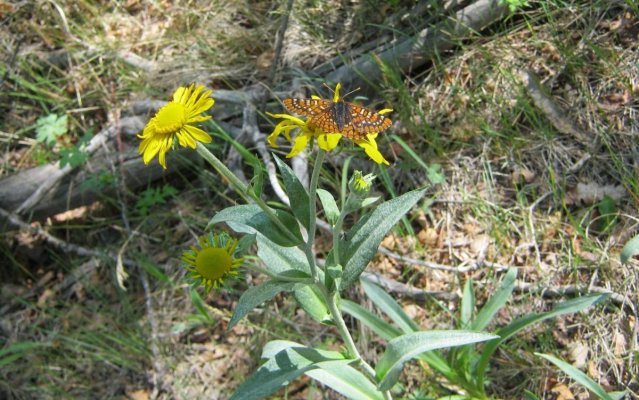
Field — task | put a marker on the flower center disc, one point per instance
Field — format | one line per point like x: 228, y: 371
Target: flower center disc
x: 213, y: 263
x: 170, y: 118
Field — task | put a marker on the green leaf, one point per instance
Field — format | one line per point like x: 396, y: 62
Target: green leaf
x: 410, y: 345
x: 467, y: 305
x: 528, y: 395
x: 279, y: 259
x: 50, y: 128
x: 284, y: 366
x: 388, y: 332
x: 389, y: 306
x: 72, y: 156
x: 578, y: 376
x: 346, y: 380
x: 313, y: 303
x: 382, y: 328
x: 608, y: 213
x: 154, y: 196
x: 199, y: 305
x: 16, y: 351
x: 333, y: 277
x: 496, y: 301
x: 364, y: 238
x: 630, y: 249
x: 432, y: 171
x: 568, y: 307
x: 250, y: 218
x: 257, y: 295
x: 330, y: 206
x: 297, y: 194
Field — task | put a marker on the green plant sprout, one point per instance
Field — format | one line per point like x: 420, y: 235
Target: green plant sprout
x: 285, y: 240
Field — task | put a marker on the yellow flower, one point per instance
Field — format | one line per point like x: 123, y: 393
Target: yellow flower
x: 326, y: 141
x: 214, y: 261
x: 176, y: 119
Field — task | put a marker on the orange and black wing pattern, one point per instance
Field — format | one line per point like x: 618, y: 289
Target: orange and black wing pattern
x: 350, y: 120
x: 307, y: 107
x: 364, y: 121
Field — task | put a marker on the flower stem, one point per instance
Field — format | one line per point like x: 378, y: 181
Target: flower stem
x: 346, y: 335
x: 310, y: 256
x: 241, y: 188
x: 337, y: 230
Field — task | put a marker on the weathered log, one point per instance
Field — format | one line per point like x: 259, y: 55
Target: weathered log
x: 68, y: 192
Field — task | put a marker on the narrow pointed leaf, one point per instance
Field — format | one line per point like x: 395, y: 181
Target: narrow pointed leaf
x: 297, y: 194
x: 345, y: 380
x: 279, y: 259
x: 388, y: 332
x: 567, y: 307
x: 389, y: 306
x: 281, y: 369
x: 364, y: 238
x: 329, y: 205
x: 496, y: 301
x: 630, y: 249
x: 313, y: 304
x: 410, y: 345
x: 467, y: 304
x: 257, y: 295
x: 382, y: 328
x: 578, y: 376
x: 250, y: 219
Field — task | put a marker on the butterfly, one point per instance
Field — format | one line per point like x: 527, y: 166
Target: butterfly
x: 349, y: 119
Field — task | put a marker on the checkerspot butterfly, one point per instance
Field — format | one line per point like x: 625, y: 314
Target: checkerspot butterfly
x: 349, y: 119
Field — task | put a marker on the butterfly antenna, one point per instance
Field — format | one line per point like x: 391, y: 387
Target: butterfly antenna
x: 328, y: 87
x: 352, y: 91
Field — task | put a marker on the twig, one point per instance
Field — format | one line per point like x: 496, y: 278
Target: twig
x: 548, y: 292
x: 249, y: 127
x: 568, y: 290
x: 531, y: 220
x: 279, y: 39
x: 406, y: 290
x: 428, y: 264
x: 551, y: 110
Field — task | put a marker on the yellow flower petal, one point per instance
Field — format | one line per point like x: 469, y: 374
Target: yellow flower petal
x: 198, y: 134
x: 175, y: 120
x: 370, y: 148
x: 300, y: 143
x: 328, y: 141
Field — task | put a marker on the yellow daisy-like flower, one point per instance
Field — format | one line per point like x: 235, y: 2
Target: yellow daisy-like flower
x: 176, y: 119
x: 326, y: 141
x: 214, y: 261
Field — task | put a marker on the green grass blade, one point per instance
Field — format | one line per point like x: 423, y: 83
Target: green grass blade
x: 388, y: 332
x: 345, y: 380
x: 630, y: 249
x: 567, y: 307
x: 467, y: 305
x: 389, y: 306
x: 578, y: 376
x: 496, y: 302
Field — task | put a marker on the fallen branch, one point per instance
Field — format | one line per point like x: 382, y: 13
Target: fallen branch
x: 552, y: 110
x: 432, y: 265
x: 416, y: 51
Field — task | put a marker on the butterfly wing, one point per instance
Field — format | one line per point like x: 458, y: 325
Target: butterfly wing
x: 307, y: 107
x: 364, y: 121
x: 326, y: 121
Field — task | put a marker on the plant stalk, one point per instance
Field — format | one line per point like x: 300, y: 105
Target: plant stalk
x: 241, y: 188
x: 312, y: 195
